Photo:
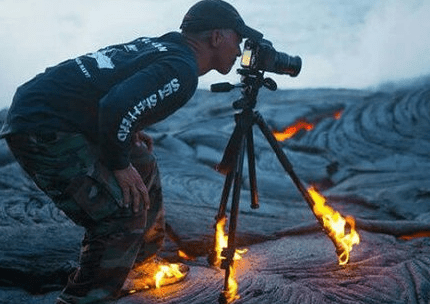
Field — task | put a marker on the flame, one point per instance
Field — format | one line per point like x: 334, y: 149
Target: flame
x: 165, y: 272
x: 231, y: 293
x: 152, y: 274
x: 221, y: 242
x: 335, y: 225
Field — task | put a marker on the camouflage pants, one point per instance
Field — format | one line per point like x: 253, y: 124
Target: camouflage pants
x: 66, y: 168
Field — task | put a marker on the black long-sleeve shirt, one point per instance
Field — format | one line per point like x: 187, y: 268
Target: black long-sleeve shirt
x: 109, y: 94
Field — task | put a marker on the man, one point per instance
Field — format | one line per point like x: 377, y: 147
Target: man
x: 76, y: 130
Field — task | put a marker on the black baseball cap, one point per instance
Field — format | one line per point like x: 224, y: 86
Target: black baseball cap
x: 217, y: 14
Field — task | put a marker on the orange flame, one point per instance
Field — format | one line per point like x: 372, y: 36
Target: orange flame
x: 221, y: 242
x: 152, y: 274
x: 230, y: 294
x: 166, y: 272
x: 335, y: 225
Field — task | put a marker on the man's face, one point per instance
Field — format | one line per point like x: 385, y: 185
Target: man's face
x: 228, y: 51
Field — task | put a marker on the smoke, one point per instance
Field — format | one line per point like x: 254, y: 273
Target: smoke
x: 395, y: 42
x: 391, y: 45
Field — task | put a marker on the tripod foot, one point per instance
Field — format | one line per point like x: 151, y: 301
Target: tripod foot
x: 222, y: 299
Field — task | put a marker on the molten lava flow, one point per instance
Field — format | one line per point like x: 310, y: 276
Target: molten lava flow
x: 221, y: 242
x: 293, y: 130
x: 334, y: 225
x: 302, y: 124
x: 419, y: 234
x: 338, y: 114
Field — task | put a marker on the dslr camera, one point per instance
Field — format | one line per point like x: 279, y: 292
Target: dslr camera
x: 263, y: 56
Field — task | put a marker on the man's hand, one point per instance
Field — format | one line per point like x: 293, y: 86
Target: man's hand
x: 133, y: 188
x: 141, y: 137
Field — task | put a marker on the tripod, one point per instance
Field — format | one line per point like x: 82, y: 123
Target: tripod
x: 231, y: 165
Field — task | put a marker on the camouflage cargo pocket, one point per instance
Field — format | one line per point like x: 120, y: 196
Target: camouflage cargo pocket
x: 93, y: 197
x: 97, y: 192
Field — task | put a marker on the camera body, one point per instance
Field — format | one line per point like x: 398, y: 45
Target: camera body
x: 263, y: 56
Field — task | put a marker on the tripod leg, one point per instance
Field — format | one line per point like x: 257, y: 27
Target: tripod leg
x: 288, y: 167
x: 224, y: 196
x: 213, y: 256
x: 229, y: 252
x: 251, y: 167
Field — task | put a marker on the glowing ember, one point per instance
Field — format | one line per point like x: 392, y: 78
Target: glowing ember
x: 221, y: 242
x: 335, y: 225
x: 338, y: 114
x: 419, y: 234
x: 185, y: 256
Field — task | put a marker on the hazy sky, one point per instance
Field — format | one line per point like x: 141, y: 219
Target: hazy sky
x: 342, y: 43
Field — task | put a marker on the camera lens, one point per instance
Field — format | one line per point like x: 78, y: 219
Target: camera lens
x: 285, y: 64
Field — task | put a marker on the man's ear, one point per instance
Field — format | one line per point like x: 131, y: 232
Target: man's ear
x: 216, y: 38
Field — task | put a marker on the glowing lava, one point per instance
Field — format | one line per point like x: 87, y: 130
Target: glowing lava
x: 301, y: 124
x: 293, y: 130
x: 336, y: 226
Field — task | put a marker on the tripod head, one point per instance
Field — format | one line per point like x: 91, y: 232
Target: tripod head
x: 251, y: 82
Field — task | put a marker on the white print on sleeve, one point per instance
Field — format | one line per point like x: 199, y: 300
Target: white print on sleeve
x: 157, y: 45
x: 103, y: 59
x: 147, y: 103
